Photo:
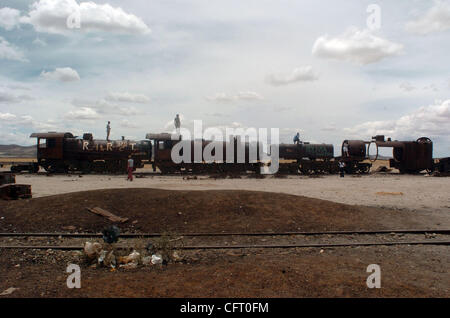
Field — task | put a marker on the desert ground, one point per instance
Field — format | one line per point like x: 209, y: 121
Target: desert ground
x: 204, y: 204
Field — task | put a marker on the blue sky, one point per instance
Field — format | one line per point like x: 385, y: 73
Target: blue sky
x: 309, y: 66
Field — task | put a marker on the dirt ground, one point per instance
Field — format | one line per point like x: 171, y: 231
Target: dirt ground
x: 413, y: 192
x: 407, y: 271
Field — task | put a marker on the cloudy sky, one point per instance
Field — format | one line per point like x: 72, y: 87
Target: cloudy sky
x: 329, y: 69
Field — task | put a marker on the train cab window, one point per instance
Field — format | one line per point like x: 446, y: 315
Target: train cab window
x: 51, y: 143
x: 161, y: 145
x: 42, y: 143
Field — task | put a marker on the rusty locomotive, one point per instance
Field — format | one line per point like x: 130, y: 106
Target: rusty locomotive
x: 302, y: 158
x: 64, y: 152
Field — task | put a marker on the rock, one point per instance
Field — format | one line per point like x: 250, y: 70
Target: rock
x: 133, y: 257
x: 129, y: 265
x: 9, y: 291
x: 146, y: 260
x: 92, y: 250
x: 157, y: 259
x: 176, y: 257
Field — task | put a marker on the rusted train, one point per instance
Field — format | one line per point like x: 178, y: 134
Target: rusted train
x: 64, y: 152
x: 302, y: 158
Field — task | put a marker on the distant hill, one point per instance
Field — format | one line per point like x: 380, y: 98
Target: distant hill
x: 17, y: 151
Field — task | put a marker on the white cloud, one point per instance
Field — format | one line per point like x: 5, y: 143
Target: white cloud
x: 10, y: 52
x: 83, y: 113
x: 25, y: 121
x: 103, y: 107
x: 51, y: 16
x: 127, y: 97
x: 429, y: 121
x: 358, y: 46
x: 436, y: 19
x: 407, y: 87
x: 125, y: 123
x: 7, y: 116
x: 64, y: 74
x: 6, y: 96
x: 39, y: 42
x: 431, y: 87
x: 244, y: 95
x: 9, y: 18
x: 299, y: 74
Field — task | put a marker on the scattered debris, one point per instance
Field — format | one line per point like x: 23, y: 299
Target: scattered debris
x: 107, y: 259
x: 9, y: 291
x: 111, y: 234
x: 440, y: 174
x: 382, y: 169
x: 107, y: 214
x: 92, y: 250
x: 146, y: 260
x: 69, y: 228
x: 13, y: 191
x: 7, y: 177
x: 389, y: 193
x: 132, y: 258
x: 157, y: 259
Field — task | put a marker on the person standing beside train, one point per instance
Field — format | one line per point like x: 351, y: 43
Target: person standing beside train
x: 341, y: 168
x: 130, y: 168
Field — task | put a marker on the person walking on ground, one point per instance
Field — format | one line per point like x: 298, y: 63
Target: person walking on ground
x: 130, y: 168
x: 177, y: 123
x: 341, y: 168
x: 108, y: 130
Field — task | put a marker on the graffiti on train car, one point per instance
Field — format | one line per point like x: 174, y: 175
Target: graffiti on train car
x: 108, y: 146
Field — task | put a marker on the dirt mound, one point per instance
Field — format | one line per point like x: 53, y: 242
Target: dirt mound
x: 152, y: 210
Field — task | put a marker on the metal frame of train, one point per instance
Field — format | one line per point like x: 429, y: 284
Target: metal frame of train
x: 63, y: 152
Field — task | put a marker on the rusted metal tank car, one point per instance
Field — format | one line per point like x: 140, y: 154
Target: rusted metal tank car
x: 309, y: 158
x: 63, y: 152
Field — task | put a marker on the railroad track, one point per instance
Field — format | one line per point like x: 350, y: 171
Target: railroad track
x: 334, y: 235
x: 137, y: 235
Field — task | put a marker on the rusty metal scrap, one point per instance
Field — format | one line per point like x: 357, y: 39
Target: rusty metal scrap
x: 13, y: 191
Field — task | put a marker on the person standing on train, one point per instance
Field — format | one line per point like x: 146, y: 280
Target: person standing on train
x: 297, y: 138
x: 345, y: 149
x: 108, y: 130
x: 130, y: 168
x: 177, y: 123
